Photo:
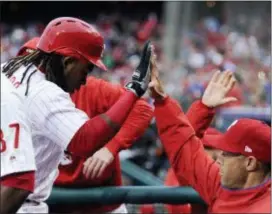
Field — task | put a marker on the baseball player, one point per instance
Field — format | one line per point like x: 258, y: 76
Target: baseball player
x: 103, y: 167
x: 16, y: 149
x: 241, y: 182
x: 67, y: 50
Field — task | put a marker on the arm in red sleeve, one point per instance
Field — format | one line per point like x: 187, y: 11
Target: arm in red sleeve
x: 97, y: 96
x: 136, y: 122
x: 185, y: 151
x: 134, y: 126
x: 101, y: 127
x: 200, y: 117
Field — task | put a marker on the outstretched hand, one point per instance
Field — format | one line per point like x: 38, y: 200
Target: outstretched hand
x: 217, y: 89
x: 141, y: 76
x: 156, y: 89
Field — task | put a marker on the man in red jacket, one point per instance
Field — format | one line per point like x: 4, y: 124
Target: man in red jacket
x: 211, y: 148
x: 241, y: 183
x: 96, y: 97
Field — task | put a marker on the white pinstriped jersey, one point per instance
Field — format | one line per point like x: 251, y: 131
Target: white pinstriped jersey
x: 53, y: 120
x: 16, y: 147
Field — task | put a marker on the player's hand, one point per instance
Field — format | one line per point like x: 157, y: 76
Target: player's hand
x: 156, y: 89
x: 96, y: 164
x: 217, y: 89
x: 142, y: 75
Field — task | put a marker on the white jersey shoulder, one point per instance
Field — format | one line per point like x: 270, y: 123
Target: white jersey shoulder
x: 50, y: 109
x: 16, y: 146
x: 54, y: 120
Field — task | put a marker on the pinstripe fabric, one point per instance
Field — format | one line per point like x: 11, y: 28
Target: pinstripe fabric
x: 54, y: 120
x: 20, y: 159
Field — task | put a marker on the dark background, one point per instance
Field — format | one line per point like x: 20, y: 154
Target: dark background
x: 21, y: 12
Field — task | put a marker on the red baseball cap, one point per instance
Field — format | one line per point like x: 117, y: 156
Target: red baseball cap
x: 210, y: 138
x: 248, y: 137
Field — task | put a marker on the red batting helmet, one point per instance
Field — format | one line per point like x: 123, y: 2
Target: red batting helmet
x: 73, y: 37
x: 28, y: 46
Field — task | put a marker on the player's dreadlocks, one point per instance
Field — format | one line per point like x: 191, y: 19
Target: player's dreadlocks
x: 50, y: 63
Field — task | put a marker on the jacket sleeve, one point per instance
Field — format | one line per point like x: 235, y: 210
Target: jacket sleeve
x: 185, y: 151
x: 137, y: 121
x: 101, y: 127
x: 200, y: 117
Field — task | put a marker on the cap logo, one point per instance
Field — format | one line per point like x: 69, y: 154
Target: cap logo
x: 248, y: 149
x: 233, y: 123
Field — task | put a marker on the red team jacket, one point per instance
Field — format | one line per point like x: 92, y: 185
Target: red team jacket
x: 95, y: 98
x: 189, y: 160
x: 200, y: 117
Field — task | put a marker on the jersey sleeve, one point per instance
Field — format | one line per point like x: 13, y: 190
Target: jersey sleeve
x: 55, y: 115
x: 185, y: 151
x: 17, y: 153
x: 103, y: 96
x: 200, y: 117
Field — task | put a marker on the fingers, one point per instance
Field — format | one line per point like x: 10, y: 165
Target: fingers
x: 154, y: 71
x: 93, y: 168
x: 153, y: 75
x: 215, y: 76
x: 151, y: 84
x: 101, y: 170
x: 96, y: 169
x: 228, y: 100
x: 221, y: 77
x: 88, y: 166
x: 227, y: 75
x: 85, y: 167
x: 95, y: 165
x: 225, y: 78
x: 231, y: 83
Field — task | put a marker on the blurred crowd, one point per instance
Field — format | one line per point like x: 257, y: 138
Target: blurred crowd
x: 245, y: 49
x: 209, y: 45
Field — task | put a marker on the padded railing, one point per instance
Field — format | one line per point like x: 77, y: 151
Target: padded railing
x: 126, y: 194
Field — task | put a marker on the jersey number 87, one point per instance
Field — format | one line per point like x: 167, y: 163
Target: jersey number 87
x: 3, y: 145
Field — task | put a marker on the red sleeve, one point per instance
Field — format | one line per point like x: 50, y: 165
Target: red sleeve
x: 136, y: 122
x: 101, y: 127
x: 98, y: 96
x: 200, y: 116
x: 24, y: 180
x: 185, y: 151
x: 134, y: 126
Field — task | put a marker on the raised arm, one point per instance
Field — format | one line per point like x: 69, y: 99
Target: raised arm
x: 100, y: 96
x: 185, y: 151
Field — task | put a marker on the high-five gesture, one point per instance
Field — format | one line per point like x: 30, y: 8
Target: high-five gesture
x: 155, y: 86
x: 217, y: 89
x: 142, y: 74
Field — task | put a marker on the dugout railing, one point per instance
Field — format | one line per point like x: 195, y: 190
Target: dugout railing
x: 125, y: 194
x: 152, y: 190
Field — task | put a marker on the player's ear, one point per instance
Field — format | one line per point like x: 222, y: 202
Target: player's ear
x: 67, y: 61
